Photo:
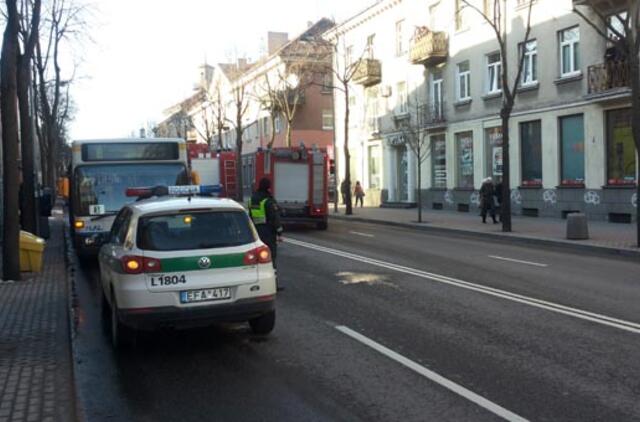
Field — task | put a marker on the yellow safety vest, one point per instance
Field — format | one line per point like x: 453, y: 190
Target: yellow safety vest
x: 259, y: 214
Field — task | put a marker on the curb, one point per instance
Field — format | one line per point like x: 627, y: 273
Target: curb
x: 499, y: 237
x: 72, y: 302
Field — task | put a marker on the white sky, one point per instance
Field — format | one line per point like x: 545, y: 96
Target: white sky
x: 145, y: 54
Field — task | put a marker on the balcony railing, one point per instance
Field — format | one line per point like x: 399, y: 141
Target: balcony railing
x: 432, y: 114
x: 602, y: 5
x: 429, y: 48
x: 606, y: 77
x: 368, y: 72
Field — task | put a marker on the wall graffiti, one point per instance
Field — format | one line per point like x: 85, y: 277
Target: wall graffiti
x: 516, y: 196
x: 592, y: 198
x: 475, y: 198
x: 448, y: 197
x: 634, y: 200
x: 550, y: 197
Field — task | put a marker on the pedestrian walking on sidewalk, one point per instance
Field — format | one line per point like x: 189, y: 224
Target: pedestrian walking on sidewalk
x: 344, y: 190
x: 264, y: 212
x: 358, y: 192
x: 487, y: 192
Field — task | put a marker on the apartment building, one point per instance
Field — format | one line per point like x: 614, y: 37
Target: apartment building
x: 571, y: 142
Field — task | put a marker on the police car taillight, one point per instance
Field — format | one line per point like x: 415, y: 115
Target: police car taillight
x: 132, y: 264
x: 261, y: 255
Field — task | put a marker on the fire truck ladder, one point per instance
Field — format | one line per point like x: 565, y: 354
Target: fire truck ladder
x: 230, y: 182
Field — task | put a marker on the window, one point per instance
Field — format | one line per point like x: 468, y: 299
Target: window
x: 399, y: 38
x: 438, y: 162
x: 370, y: 45
x: 616, y: 21
x: 572, y: 150
x: 621, y: 151
x: 327, y: 83
x: 494, y: 73
x: 327, y: 120
x: 375, y: 166
x: 493, y: 142
x: 459, y: 18
x: 372, y: 109
x: 348, y: 55
x: 464, y: 81
x: 402, y: 106
x: 197, y: 230
x: 530, y: 63
x: 278, y: 124
x: 569, y: 55
x: 464, y: 143
x: 437, y: 102
x: 531, y: 155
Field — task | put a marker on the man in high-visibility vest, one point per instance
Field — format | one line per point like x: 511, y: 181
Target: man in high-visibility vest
x: 263, y: 210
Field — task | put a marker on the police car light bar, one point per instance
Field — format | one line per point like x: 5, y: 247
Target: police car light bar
x: 186, y: 190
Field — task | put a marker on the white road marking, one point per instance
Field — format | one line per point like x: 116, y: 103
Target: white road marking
x: 518, y: 261
x: 361, y: 234
x: 433, y: 376
x: 621, y: 324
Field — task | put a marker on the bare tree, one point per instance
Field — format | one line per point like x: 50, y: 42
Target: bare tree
x: 495, y: 14
x: 204, y: 120
x: 30, y: 13
x: 9, y: 116
x: 239, y: 106
x: 622, y: 31
x: 266, y: 95
x: 414, y: 134
x: 218, y: 109
x: 344, y: 70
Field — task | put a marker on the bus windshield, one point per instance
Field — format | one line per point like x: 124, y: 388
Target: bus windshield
x: 100, y: 189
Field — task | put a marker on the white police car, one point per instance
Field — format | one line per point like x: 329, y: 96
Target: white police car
x: 182, y: 262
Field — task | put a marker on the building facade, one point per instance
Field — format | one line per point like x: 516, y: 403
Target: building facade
x: 571, y: 145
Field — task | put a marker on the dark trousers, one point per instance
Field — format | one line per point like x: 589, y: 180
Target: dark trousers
x: 359, y: 199
x: 491, y: 209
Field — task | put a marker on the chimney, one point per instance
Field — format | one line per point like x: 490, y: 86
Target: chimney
x: 275, y: 40
x: 242, y: 63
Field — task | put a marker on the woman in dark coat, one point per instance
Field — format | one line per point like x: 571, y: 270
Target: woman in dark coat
x: 486, y: 200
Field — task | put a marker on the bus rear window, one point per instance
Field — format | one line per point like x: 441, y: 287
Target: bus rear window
x: 119, y: 151
x: 200, y: 230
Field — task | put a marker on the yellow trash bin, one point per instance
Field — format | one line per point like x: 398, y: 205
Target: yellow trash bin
x: 31, y: 250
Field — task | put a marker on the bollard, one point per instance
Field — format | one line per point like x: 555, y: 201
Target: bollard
x: 577, y: 227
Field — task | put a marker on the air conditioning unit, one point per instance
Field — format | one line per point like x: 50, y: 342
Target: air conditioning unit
x: 386, y: 91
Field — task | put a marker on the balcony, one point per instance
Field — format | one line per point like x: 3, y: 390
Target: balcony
x: 609, y: 79
x: 428, y: 48
x: 432, y: 115
x: 602, y: 5
x: 368, y: 72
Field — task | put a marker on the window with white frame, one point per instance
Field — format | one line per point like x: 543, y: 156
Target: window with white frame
x: 399, y: 38
x: 464, y: 81
x: 372, y: 110
x: 327, y: 119
x: 569, y: 51
x: 530, y: 63
x: 348, y: 55
x: 494, y: 73
x: 278, y: 124
x: 401, y: 106
x: 370, y: 46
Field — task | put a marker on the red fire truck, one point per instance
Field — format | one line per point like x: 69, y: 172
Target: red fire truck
x: 299, y: 178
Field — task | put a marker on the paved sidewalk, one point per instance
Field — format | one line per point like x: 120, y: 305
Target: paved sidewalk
x: 35, y: 359
x: 604, y: 236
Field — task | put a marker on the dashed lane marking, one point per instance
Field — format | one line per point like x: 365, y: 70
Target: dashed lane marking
x: 518, y: 261
x: 362, y: 234
x: 433, y: 376
x: 621, y: 324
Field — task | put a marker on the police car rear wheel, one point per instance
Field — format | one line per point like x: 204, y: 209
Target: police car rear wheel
x: 121, y: 335
x: 264, y: 324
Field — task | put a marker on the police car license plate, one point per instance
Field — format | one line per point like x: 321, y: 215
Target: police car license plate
x: 205, y: 295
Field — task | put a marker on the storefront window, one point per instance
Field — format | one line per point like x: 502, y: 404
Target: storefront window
x: 464, y: 142
x: 621, y: 151
x: 439, y: 161
x: 493, y: 139
x: 531, y: 155
x: 375, y: 166
x: 572, y: 147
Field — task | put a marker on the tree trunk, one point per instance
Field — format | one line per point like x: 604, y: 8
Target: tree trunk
x: 347, y: 155
x: 28, y: 205
x: 239, y: 183
x: 9, y: 112
x: 635, y: 127
x: 505, y: 114
x: 419, y: 187
x: 289, y: 134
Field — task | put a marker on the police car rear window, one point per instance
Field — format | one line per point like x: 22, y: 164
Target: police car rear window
x: 197, y: 230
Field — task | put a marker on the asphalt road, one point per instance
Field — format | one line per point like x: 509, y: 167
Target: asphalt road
x: 381, y: 323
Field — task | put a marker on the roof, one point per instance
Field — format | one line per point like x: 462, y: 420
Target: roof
x: 233, y: 70
x: 176, y: 203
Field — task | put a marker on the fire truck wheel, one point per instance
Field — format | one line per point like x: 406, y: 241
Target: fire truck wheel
x: 322, y: 225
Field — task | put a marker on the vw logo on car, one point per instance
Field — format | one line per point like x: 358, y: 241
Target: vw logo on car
x: 204, y: 262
